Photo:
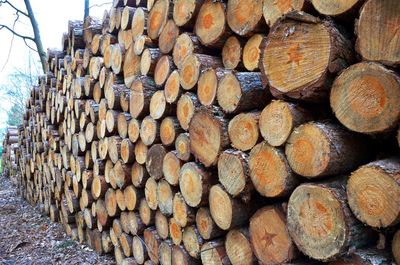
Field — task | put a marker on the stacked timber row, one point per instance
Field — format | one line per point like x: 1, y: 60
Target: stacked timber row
x: 222, y: 132
x: 8, y: 158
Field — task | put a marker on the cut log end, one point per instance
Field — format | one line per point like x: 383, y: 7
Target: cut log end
x: 210, y: 23
x: 207, y: 137
x: 244, y: 16
x: 319, y: 222
x: 207, y: 87
x: 364, y: 98
x: 270, y: 172
x: 374, y: 194
x: 373, y: 36
x: 269, y: 236
x: 243, y: 130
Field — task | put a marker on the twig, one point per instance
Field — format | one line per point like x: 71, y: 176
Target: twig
x: 16, y: 9
x: 15, y: 33
x: 100, y: 5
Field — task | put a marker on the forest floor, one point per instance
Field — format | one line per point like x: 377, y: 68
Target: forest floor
x: 27, y: 237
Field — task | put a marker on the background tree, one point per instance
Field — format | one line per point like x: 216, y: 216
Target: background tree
x: 36, y: 39
x: 15, y: 91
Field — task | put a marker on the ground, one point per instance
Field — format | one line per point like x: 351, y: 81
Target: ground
x: 27, y: 237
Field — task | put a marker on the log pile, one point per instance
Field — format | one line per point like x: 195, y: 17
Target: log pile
x: 221, y: 132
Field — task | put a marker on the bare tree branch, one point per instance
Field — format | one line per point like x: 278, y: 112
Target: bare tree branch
x: 15, y: 33
x: 100, y: 5
x: 29, y: 46
x: 16, y: 9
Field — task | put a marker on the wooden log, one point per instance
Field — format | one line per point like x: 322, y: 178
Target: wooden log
x: 123, y: 120
x: 192, y: 241
x: 191, y: 67
x: 138, y: 23
x: 210, y: 24
x: 175, y: 232
x: 127, y: 151
x: 139, y: 249
x: 161, y: 223
x: 270, y: 172
x: 280, y: 60
x: 274, y: 10
x: 150, y: 57
x: 183, y: 214
x: 195, y: 183
x: 111, y: 203
x: 171, y: 167
x: 207, y: 86
x: 213, y: 252
x: 172, y: 90
x: 149, y: 131
x: 320, y: 222
x: 141, y: 92
x: 372, y: 37
x: 238, y: 247
x: 122, y: 174
x: 146, y: 214
x: 127, y: 17
x: 241, y: 91
x: 208, y: 136
x: 163, y: 69
x: 233, y: 173
x: 124, y: 99
x: 206, y: 226
x: 103, y: 219
x: 165, y: 252
x: 150, y: 193
x: 245, y: 17
x: 99, y: 187
x: 114, y: 148
x: 186, y: 107
x: 165, y: 195
x: 131, y: 68
x: 158, y: 107
x: 363, y: 98
x: 141, y: 152
x: 269, y: 237
x: 119, y: 197
x: 252, y: 51
x: 185, y: 12
x: 186, y: 44
x: 243, y: 130
x: 132, y: 197
x: 227, y: 212
x: 155, y: 157
x: 139, y: 175
x: 181, y: 257
x: 232, y: 53
x: 168, y: 36
x: 152, y: 241
x: 279, y: 118
x: 157, y: 18
x: 317, y: 149
x: 141, y: 43
x: 169, y: 130
x: 372, y: 190
x: 133, y: 130
x: 117, y: 58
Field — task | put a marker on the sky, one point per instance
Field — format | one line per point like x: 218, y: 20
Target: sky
x: 52, y: 17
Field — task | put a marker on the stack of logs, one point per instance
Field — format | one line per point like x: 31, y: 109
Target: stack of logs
x: 222, y: 132
x: 8, y: 159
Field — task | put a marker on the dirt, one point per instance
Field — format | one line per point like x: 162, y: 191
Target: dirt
x: 27, y: 237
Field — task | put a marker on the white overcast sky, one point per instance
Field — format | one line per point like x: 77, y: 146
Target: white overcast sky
x: 52, y: 17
